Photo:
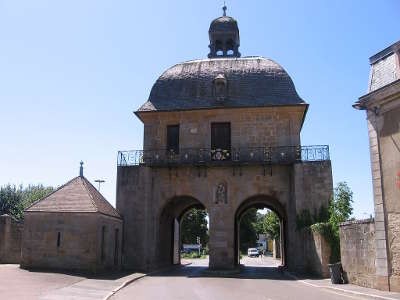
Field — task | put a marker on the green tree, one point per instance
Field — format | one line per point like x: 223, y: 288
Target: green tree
x: 248, y: 230
x: 271, y: 225
x: 13, y: 200
x: 33, y: 193
x: 340, y: 210
x: 341, y: 206
x: 194, y: 224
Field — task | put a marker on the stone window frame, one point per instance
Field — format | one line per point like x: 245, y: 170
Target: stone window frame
x: 220, y: 87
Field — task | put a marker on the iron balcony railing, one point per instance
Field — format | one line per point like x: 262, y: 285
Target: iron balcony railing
x: 203, y: 156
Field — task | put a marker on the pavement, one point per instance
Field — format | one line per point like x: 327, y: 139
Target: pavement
x: 349, y: 289
x: 259, y: 279
x: 16, y: 283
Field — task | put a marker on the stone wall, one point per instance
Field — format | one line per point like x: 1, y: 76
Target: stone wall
x: 150, y: 200
x: 78, y: 246
x: 358, y: 252
x: 10, y: 240
x: 313, y: 185
x: 250, y: 127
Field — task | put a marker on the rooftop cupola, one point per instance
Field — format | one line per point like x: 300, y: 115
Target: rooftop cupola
x: 224, y: 37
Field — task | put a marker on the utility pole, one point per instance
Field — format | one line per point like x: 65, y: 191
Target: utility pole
x: 99, y: 181
x: 198, y: 242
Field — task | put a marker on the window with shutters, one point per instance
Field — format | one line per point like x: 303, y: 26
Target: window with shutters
x: 221, y: 141
x: 173, y: 139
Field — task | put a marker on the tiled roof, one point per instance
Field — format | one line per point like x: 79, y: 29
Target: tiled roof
x: 77, y: 195
x: 251, y: 82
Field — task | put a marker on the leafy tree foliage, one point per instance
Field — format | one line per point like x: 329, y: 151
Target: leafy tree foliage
x: 340, y: 210
x: 342, y: 204
x: 254, y: 223
x: 248, y: 231
x: 194, y: 224
x: 271, y: 225
x: 13, y: 199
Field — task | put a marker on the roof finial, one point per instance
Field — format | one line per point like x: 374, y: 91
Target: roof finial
x: 81, y: 169
x: 224, y: 8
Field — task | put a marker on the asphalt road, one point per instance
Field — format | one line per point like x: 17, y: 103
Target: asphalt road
x: 255, y: 282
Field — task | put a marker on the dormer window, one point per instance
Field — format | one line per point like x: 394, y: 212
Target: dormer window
x: 220, y: 87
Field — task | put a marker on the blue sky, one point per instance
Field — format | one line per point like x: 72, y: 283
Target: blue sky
x: 72, y: 73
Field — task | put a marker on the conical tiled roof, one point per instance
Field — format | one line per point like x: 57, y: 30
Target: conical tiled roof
x: 77, y: 195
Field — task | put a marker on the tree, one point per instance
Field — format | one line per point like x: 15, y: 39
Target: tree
x: 340, y: 210
x: 271, y: 225
x: 194, y: 224
x: 11, y: 201
x: 14, y: 200
x: 341, y: 206
x: 248, y: 231
x: 33, y: 193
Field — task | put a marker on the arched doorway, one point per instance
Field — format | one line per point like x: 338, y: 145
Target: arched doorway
x: 169, y: 237
x: 267, y: 204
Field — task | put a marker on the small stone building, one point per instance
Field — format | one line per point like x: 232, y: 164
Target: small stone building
x: 73, y: 228
x: 382, y: 106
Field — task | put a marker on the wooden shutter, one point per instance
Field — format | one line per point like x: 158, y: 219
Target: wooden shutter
x: 173, y: 138
x: 221, y: 136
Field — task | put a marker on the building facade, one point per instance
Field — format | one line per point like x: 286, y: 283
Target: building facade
x: 221, y: 133
x: 73, y: 228
x: 382, y: 106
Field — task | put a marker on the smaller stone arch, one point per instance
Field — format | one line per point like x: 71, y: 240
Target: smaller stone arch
x: 168, y: 233
x: 261, y: 201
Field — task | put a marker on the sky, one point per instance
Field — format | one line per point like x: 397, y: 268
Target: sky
x: 72, y: 73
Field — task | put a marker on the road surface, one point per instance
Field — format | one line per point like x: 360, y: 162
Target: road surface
x: 256, y: 282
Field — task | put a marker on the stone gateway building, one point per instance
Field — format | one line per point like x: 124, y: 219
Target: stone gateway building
x: 73, y: 228
x: 221, y: 133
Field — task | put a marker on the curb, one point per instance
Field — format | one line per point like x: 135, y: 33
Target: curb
x: 371, y: 296
x: 124, y: 284
x: 129, y: 281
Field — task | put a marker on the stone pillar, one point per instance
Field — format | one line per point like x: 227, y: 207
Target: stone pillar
x: 177, y: 256
x: 381, y: 261
x: 276, y: 253
x: 222, y: 242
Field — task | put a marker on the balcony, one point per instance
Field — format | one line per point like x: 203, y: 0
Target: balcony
x: 221, y: 157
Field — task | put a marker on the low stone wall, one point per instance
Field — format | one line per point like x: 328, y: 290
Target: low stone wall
x: 357, y: 250
x: 10, y: 240
x: 317, y: 252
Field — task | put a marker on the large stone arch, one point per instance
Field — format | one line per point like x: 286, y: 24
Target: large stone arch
x: 169, y: 220
x: 262, y: 201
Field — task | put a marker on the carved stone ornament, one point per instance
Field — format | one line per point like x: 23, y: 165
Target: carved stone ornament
x: 221, y: 193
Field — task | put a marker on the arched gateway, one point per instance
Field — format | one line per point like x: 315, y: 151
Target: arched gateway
x: 221, y: 133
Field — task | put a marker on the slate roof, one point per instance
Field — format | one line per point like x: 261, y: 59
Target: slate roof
x: 223, y: 23
x: 77, y: 195
x: 252, y: 82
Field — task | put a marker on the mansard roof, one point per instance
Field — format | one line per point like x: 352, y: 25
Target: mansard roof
x: 251, y: 82
x: 77, y: 195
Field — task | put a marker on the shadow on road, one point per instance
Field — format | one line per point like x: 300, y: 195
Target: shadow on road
x: 110, y: 275
x: 243, y: 272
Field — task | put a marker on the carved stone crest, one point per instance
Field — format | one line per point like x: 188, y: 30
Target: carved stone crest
x: 221, y: 195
